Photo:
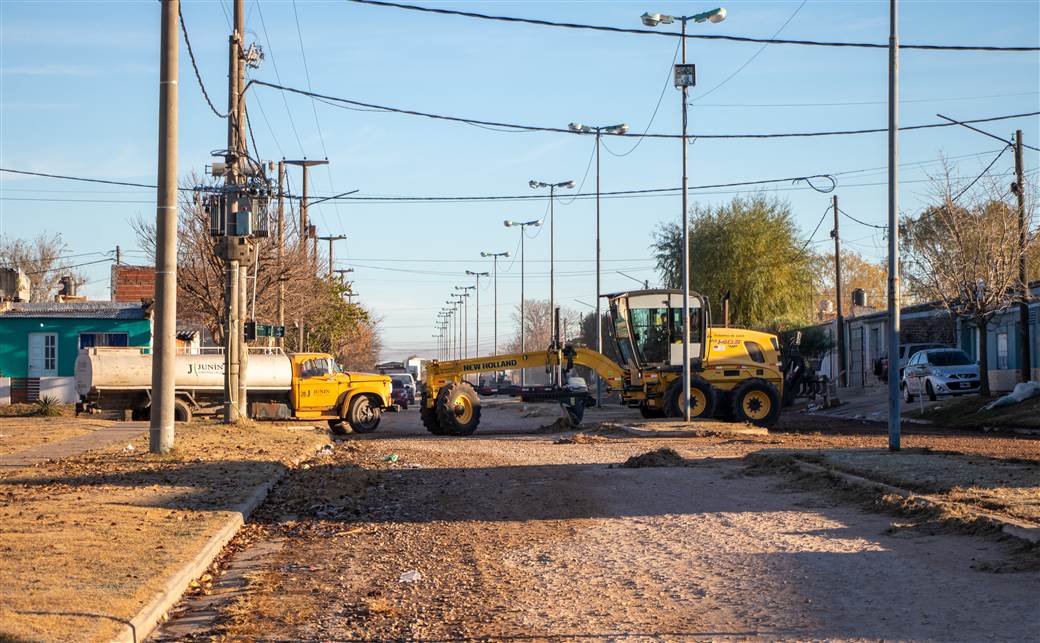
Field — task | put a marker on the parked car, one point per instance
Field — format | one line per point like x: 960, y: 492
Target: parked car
x: 906, y: 352
x: 408, y: 382
x: 399, y: 394
x: 940, y: 371
x: 577, y: 385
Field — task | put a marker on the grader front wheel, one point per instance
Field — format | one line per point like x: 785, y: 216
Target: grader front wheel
x: 757, y: 402
x: 428, y: 415
x: 458, y: 409
x: 702, y: 399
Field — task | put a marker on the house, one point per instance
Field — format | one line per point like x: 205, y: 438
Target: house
x: 1004, y: 343
x: 39, y: 343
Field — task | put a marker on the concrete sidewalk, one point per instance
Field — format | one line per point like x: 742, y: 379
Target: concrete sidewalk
x: 99, y: 439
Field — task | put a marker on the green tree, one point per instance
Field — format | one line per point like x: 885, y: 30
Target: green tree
x: 342, y: 328
x: 750, y: 247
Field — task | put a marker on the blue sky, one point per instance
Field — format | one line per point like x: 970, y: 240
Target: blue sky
x: 78, y: 95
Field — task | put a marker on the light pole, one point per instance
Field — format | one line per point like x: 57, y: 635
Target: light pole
x: 465, y: 317
x: 476, y: 289
x: 523, y: 320
x: 552, y: 256
x: 458, y: 323
x: 617, y: 130
x: 685, y: 77
x: 495, y: 256
x: 894, y: 394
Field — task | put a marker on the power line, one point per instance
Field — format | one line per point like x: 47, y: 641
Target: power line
x: 869, y: 102
x: 76, y: 178
x: 981, y: 174
x: 195, y: 66
x: 667, y: 82
x: 78, y: 265
x: 560, y: 130
x: 869, y: 225
x: 753, y: 56
x: 672, y: 34
x: 815, y: 230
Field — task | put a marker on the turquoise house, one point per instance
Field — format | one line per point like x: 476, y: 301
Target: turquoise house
x: 39, y: 343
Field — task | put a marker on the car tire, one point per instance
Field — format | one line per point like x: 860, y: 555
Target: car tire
x: 907, y: 396
x: 930, y: 391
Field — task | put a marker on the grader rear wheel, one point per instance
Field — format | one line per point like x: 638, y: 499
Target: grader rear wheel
x: 428, y: 415
x: 702, y: 399
x: 458, y: 408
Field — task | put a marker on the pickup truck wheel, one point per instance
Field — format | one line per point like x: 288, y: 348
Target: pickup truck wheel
x: 702, y: 399
x: 757, y: 402
x: 458, y: 409
x: 362, y: 415
x: 181, y: 411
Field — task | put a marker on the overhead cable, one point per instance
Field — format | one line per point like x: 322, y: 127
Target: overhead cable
x: 673, y: 34
x: 561, y: 130
x: 869, y: 225
x: 195, y: 66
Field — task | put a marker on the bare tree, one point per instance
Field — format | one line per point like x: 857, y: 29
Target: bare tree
x: 964, y: 251
x: 538, y: 325
x: 42, y: 260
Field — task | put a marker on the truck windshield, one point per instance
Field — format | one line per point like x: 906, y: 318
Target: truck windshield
x: 655, y: 329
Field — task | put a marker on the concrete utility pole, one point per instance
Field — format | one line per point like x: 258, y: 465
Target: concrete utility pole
x: 330, y: 239
x: 894, y: 401
x: 281, y: 250
x: 476, y: 289
x: 1023, y: 306
x: 164, y: 341
x: 304, y: 232
x: 842, y: 375
x: 494, y: 257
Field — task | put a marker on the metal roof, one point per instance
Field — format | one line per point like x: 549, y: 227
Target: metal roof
x: 78, y: 310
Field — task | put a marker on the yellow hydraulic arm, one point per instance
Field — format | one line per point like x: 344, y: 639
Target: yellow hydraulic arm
x: 439, y: 373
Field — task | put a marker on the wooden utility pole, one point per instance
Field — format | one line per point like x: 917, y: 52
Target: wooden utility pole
x: 164, y: 341
x: 842, y: 367
x: 281, y: 250
x: 330, y: 239
x: 1025, y: 361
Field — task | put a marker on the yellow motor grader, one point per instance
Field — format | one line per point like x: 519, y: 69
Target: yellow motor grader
x: 735, y: 374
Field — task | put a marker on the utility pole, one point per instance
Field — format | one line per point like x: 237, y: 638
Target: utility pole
x: 330, y: 239
x: 842, y: 375
x: 894, y: 411
x: 119, y: 254
x: 685, y: 249
x: 1023, y: 306
x: 164, y: 341
x: 494, y: 256
x: 304, y: 232
x: 281, y: 250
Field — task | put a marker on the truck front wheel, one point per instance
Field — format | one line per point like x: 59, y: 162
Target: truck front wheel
x: 363, y: 415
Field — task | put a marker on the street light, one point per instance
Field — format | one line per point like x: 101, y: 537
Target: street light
x: 465, y: 323
x: 552, y: 254
x: 615, y: 130
x: 523, y: 320
x: 684, y: 78
x: 476, y: 289
x: 495, y: 256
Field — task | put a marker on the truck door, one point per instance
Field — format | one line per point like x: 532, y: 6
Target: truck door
x: 318, y: 388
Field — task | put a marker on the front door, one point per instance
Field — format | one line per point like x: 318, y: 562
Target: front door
x: 43, y: 354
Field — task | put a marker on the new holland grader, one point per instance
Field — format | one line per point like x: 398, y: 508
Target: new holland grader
x: 735, y: 374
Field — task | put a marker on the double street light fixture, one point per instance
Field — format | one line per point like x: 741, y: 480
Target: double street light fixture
x: 523, y: 225
x: 494, y: 256
x: 476, y: 289
x: 685, y: 77
x: 599, y: 131
x: 552, y: 252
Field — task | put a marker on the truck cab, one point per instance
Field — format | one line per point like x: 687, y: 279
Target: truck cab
x: 321, y: 389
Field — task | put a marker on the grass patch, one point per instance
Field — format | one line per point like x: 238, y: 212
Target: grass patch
x: 87, y: 541
x: 965, y: 412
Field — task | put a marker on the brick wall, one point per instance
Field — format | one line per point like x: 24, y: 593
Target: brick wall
x: 133, y: 283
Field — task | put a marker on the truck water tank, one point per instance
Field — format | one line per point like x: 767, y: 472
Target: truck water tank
x: 131, y: 368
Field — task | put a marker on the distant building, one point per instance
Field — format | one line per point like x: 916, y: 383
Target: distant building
x: 132, y: 283
x: 39, y: 343
x: 14, y: 285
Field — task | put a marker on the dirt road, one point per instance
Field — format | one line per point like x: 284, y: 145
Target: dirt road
x: 515, y: 536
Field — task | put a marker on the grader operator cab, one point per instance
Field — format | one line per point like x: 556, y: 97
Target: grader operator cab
x: 735, y: 373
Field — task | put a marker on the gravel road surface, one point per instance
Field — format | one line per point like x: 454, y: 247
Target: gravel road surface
x: 515, y: 536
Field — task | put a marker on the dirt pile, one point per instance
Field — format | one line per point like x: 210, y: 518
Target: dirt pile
x: 559, y: 425
x: 581, y: 438
x: 663, y: 457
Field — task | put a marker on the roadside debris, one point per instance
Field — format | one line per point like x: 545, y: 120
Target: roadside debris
x: 663, y: 457
x: 1023, y: 391
x: 559, y: 425
x: 581, y: 438
x: 411, y: 576
x: 128, y: 448
x: 393, y: 457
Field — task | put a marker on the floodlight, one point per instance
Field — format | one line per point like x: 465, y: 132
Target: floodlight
x: 718, y: 16
x: 577, y: 127
x: 651, y: 19
x: 508, y: 224
x: 534, y: 184
x: 568, y: 184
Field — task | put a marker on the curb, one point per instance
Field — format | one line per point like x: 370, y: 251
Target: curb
x: 150, y: 615
x: 1015, y: 529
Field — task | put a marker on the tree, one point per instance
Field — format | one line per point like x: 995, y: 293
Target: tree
x: 856, y: 272
x: 750, y: 247
x: 538, y: 325
x: 42, y: 260
x: 343, y: 328
x: 963, y: 251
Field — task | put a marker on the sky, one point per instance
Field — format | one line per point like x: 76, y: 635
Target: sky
x: 79, y: 96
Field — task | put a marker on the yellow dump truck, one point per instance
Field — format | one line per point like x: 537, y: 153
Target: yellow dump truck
x: 735, y: 373
x: 305, y: 386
